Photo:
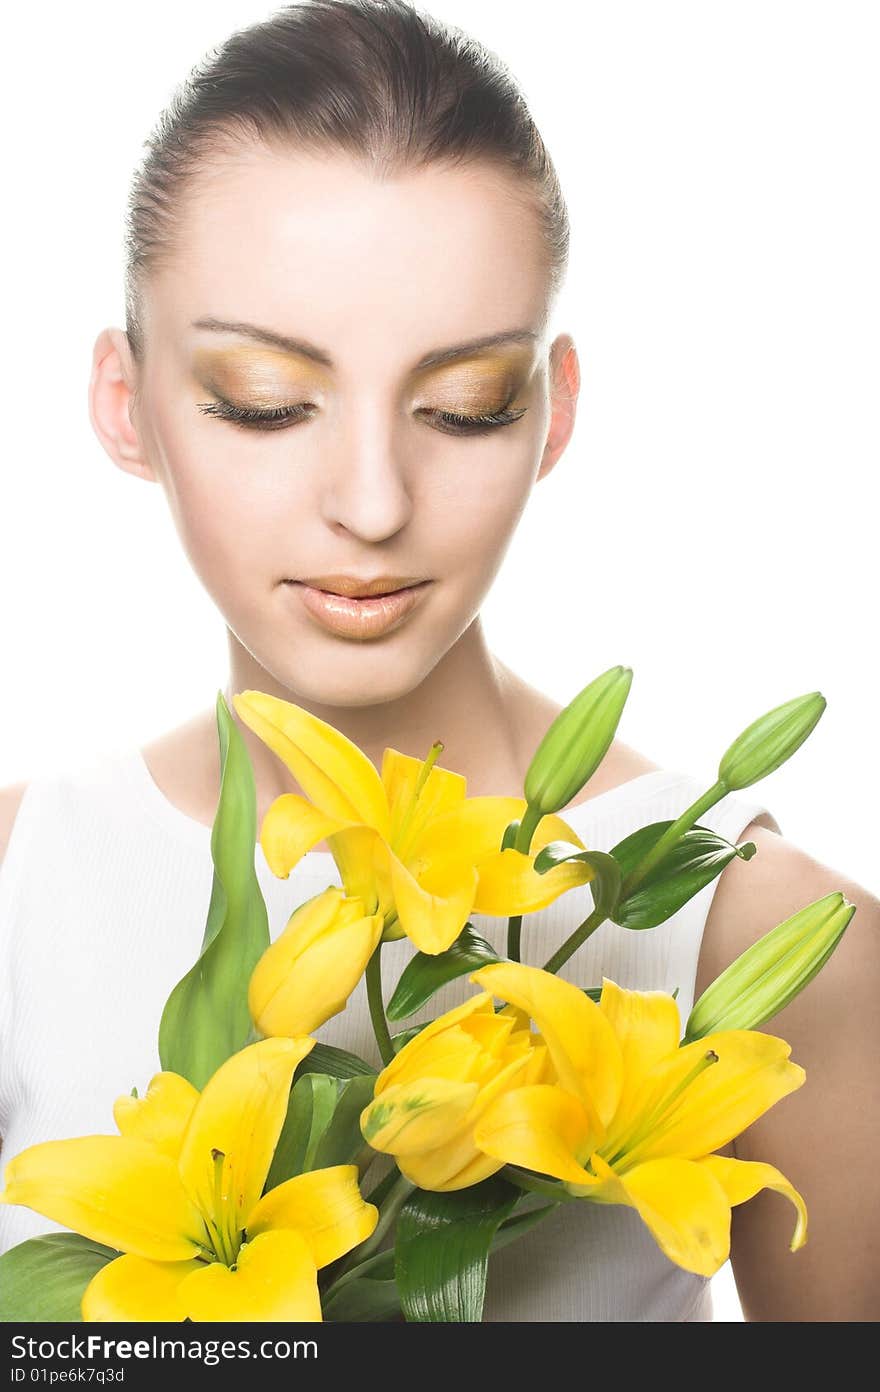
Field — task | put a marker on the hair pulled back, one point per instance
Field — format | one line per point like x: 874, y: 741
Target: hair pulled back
x: 375, y: 79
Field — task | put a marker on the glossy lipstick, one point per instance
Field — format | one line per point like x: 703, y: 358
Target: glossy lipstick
x: 353, y: 617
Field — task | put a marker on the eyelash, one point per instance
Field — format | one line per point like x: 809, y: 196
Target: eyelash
x: 279, y: 417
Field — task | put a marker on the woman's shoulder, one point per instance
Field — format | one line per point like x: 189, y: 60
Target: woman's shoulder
x: 753, y: 896
x: 831, y: 1027
x: 10, y: 801
x: 60, y: 801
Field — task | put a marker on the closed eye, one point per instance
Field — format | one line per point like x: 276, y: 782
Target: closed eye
x: 280, y: 417
x: 276, y: 418
x: 455, y: 424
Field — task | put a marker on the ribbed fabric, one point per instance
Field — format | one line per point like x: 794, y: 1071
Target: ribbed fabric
x: 104, y: 893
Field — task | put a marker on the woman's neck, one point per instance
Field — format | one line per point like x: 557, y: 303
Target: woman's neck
x: 469, y: 701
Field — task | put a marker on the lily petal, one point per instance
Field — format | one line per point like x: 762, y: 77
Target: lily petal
x: 648, y: 1028
x: 472, y: 830
x: 441, y: 791
x: 457, y: 1161
x: 431, y: 921
x: 582, y: 1043
x: 161, y: 1115
x: 457, y: 1165
x: 421, y: 1173
x: 275, y: 1278
x: 292, y: 826
x: 682, y: 1203
x: 742, y: 1179
x: 540, y: 1127
x: 752, y: 1073
x: 466, y: 833
x: 308, y: 973
x: 131, y: 1288
x: 510, y: 884
x: 326, y: 1206
x: 413, y: 1117
x: 439, y: 1167
x: 418, y: 1058
x: 332, y: 771
x: 239, y: 1117
x: 118, y: 1190
x: 361, y: 858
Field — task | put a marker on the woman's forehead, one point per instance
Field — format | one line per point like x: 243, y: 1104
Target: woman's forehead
x: 294, y: 238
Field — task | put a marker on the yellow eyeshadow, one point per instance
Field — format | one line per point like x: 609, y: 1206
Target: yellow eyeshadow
x: 479, y: 385
x: 476, y: 397
x: 261, y: 378
x: 256, y: 376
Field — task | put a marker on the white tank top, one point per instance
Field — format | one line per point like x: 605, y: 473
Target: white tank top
x: 104, y: 893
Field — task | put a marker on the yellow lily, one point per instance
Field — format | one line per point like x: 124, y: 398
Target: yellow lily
x: 429, y: 1098
x: 409, y: 843
x: 628, y: 1116
x: 179, y: 1192
x: 308, y: 973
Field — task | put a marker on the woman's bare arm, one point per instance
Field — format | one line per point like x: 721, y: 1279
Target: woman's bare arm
x: 826, y: 1136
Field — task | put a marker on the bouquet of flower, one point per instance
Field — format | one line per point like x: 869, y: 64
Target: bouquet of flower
x: 236, y: 1187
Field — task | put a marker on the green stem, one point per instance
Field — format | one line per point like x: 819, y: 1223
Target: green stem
x: 362, y: 1269
x: 572, y: 943
x: 549, y: 1187
x: 377, y: 1008
x: 670, y: 836
x: 397, y: 1196
x: 525, y: 832
x: 514, y: 934
x: 380, y: 1192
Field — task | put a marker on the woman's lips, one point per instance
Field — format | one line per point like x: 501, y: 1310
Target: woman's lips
x: 358, y: 618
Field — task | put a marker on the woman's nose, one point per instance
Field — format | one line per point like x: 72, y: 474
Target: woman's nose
x: 365, y: 485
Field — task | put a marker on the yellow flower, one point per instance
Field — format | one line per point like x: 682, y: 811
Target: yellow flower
x: 309, y: 972
x: 409, y: 843
x: 179, y: 1192
x: 429, y: 1098
x: 630, y: 1117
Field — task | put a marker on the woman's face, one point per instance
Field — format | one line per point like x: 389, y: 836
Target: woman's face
x: 341, y: 307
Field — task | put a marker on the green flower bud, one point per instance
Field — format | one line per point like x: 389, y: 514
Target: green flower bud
x: 769, y: 741
x: 576, y: 742
x: 773, y: 970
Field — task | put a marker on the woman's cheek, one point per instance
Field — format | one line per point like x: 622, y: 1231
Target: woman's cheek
x: 221, y: 529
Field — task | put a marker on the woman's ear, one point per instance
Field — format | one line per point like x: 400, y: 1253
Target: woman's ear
x: 111, y: 393
x: 565, y: 381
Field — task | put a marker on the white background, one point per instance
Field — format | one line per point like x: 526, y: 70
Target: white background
x: 713, y: 523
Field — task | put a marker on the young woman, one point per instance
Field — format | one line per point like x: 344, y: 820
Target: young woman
x: 345, y: 245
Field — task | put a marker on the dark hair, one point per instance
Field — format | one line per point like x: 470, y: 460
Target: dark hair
x: 374, y: 78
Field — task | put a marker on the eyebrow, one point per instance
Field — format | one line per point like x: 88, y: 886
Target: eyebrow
x: 310, y: 350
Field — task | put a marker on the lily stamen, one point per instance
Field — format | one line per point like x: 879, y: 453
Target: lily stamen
x: 661, y: 1112
x: 225, y: 1234
x: 433, y: 755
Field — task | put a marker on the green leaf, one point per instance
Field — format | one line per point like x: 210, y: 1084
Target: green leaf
x: 206, y: 1018
x: 425, y: 974
x: 42, y: 1280
x: 442, y: 1249
x: 404, y: 1036
x: 605, y: 884
x: 309, y: 1110
x: 339, y: 1063
x: 693, y: 862
x: 342, y: 1143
